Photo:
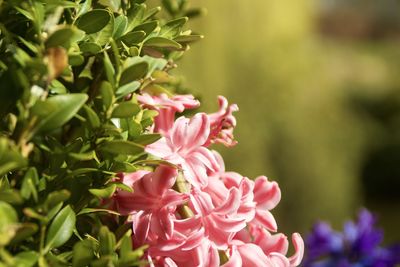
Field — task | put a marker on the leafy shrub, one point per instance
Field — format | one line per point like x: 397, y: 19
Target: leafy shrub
x: 70, y: 121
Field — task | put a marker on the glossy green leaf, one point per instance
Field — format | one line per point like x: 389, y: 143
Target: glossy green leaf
x: 109, y: 69
x: 28, y: 187
x: 122, y: 147
x: 146, y: 139
x: 134, y: 72
x: 64, y: 37
x: 93, y: 21
x: 135, y: 15
x: 83, y: 253
x: 107, y: 94
x: 91, y: 210
x: 26, y: 259
x: 114, y: 5
x: 120, y: 25
x: 150, y: 13
x: 75, y: 60
x: 10, y: 158
x: 107, y: 241
x: 147, y: 27
x: 11, y: 196
x: 132, y: 38
x: 127, y: 89
x: 185, y: 39
x: 61, y: 228
x: 56, y: 197
x: 173, y: 27
x: 125, y: 110
x: 8, y: 215
x: 161, y: 42
x: 104, y: 36
x: 56, y: 111
x: 90, y: 48
x: 106, y: 192
x: 91, y: 117
x: 8, y: 219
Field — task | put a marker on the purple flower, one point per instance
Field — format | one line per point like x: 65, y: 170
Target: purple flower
x: 356, y: 246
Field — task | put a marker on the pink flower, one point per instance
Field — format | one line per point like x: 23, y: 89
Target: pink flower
x: 184, y: 147
x: 167, y: 107
x: 266, y: 195
x: 221, y: 212
x: 152, y: 203
x: 251, y: 254
x: 222, y: 123
x: 220, y: 222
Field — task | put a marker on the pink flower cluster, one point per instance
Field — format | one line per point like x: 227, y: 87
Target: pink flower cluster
x: 197, y: 214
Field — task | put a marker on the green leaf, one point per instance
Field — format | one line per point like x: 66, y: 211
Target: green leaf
x: 125, y: 110
x: 56, y: 111
x: 93, y: 21
x: 135, y: 15
x: 161, y: 42
x: 90, y: 48
x: 147, y: 27
x: 107, y: 241
x: 24, y: 231
x: 109, y: 69
x: 10, y: 158
x: 150, y: 13
x: 120, y: 24
x: 103, y: 37
x: 185, y: 39
x: 90, y: 210
x: 106, y: 192
x: 114, y: 5
x: 173, y: 27
x: 146, y: 139
x: 26, y: 259
x: 11, y: 196
x: 61, y: 228
x: 91, y: 117
x: 64, y: 37
x: 75, y: 60
x: 84, y: 7
x: 8, y: 215
x: 107, y: 94
x: 8, y: 219
x: 127, y: 89
x: 122, y: 147
x: 55, y: 198
x: 134, y: 72
x: 29, y: 183
x: 83, y: 253
x: 132, y: 38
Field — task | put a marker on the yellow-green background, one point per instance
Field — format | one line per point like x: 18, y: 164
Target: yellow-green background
x: 297, y: 122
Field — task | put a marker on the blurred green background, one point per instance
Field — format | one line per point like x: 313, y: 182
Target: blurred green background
x: 317, y: 84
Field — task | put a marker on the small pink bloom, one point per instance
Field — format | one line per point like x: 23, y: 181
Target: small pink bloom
x: 266, y: 195
x: 222, y: 123
x: 220, y: 222
x: 167, y: 107
x: 184, y: 147
x: 251, y: 254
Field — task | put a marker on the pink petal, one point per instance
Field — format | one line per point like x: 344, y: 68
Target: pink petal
x: 160, y: 148
x: 298, y: 243
x: 231, y: 204
x: 267, y: 194
x: 266, y: 219
x: 253, y: 256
